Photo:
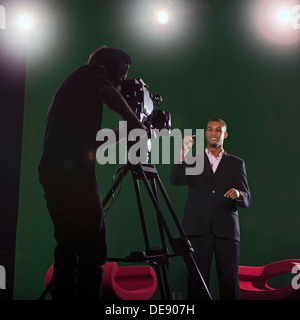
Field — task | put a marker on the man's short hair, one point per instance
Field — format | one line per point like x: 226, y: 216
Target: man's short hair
x: 110, y: 59
x: 220, y: 120
x: 105, y: 54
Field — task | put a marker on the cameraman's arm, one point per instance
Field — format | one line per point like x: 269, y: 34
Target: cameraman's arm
x: 114, y: 100
x: 120, y: 133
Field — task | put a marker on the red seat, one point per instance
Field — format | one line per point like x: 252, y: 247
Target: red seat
x: 254, y: 281
x: 128, y: 282
x: 123, y: 283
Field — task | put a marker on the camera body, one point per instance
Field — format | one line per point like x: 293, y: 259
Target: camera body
x: 143, y: 104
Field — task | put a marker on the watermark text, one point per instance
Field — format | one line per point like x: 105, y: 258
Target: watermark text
x: 2, y: 277
x: 136, y: 147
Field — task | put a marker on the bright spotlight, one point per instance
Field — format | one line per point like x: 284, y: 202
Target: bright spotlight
x: 162, y: 17
x: 284, y: 16
x: 24, y: 23
x: 276, y: 20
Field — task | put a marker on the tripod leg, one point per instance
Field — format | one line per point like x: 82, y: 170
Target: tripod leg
x: 114, y: 187
x: 163, y: 240
x: 161, y: 231
x: 166, y: 283
x: 148, y: 250
x: 141, y: 211
x: 45, y: 292
x: 170, y: 207
x: 155, y: 203
x: 160, y: 285
x: 185, y: 252
x: 182, y: 244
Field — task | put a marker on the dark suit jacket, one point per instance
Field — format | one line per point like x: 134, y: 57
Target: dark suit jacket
x: 206, y: 203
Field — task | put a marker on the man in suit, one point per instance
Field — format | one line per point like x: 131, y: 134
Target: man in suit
x: 210, y: 217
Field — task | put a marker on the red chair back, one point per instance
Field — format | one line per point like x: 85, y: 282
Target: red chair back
x: 254, y: 281
x: 124, y: 283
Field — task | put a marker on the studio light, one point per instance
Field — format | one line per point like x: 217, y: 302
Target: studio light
x: 283, y: 16
x: 164, y: 26
x: 24, y: 22
x: 30, y: 24
x: 277, y: 20
x: 162, y: 17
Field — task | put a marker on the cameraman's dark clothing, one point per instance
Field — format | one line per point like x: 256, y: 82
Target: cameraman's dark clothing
x: 67, y: 173
x: 73, y: 120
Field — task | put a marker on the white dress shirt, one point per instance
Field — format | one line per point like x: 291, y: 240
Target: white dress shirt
x: 214, y: 162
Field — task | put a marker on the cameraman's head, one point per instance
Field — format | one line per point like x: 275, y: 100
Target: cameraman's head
x: 115, y: 62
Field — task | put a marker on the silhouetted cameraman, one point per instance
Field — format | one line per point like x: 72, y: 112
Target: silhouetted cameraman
x: 67, y: 171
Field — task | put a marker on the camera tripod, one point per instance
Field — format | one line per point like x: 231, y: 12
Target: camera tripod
x: 158, y: 257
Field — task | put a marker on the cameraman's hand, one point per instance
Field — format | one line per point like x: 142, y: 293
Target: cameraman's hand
x: 138, y: 125
x: 144, y: 127
x: 115, y: 101
x: 187, y: 143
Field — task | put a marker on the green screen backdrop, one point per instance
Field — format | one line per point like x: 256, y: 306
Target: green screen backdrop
x: 205, y: 63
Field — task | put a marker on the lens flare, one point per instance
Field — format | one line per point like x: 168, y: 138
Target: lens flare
x: 162, y: 17
x: 25, y: 22
x: 284, y: 16
x: 275, y: 20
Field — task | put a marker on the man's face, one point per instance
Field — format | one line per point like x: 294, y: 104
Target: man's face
x: 122, y: 72
x: 215, y: 134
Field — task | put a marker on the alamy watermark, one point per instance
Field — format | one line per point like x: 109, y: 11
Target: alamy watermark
x: 296, y: 278
x: 136, y: 146
x: 2, y: 277
x: 295, y: 11
x: 2, y: 18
